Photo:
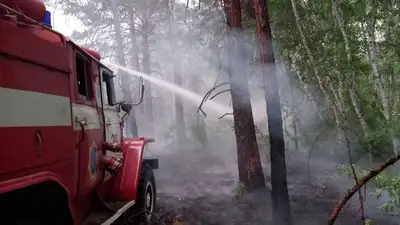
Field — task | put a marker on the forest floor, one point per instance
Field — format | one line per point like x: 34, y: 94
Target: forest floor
x: 199, y: 189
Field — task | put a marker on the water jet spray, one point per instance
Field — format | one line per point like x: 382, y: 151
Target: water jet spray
x: 194, y: 98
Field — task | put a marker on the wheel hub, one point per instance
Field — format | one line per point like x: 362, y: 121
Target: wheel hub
x: 149, y: 200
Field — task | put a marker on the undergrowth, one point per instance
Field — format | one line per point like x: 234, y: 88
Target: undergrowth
x: 384, y: 183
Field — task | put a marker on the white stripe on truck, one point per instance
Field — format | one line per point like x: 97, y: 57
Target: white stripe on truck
x: 19, y: 108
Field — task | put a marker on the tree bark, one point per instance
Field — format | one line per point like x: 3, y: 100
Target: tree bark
x: 135, y: 65
x: 179, y: 110
x: 354, y: 98
x: 280, y: 196
x: 249, y: 164
x: 130, y: 123
x: 294, y: 117
x: 321, y: 83
x: 133, y: 34
x: 352, y: 89
x: 306, y: 88
x: 380, y: 86
x: 148, y: 100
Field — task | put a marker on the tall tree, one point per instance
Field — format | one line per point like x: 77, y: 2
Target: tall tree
x: 125, y: 78
x: 280, y: 195
x: 250, y: 170
x: 146, y: 31
x: 177, y: 72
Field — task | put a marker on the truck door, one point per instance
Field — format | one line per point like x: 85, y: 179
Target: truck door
x: 87, y: 124
x: 112, y: 127
x: 111, y: 117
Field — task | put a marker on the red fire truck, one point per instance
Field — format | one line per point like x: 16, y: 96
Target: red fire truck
x: 64, y: 159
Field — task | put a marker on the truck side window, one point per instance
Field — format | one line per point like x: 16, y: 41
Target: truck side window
x: 108, y: 88
x: 82, y: 74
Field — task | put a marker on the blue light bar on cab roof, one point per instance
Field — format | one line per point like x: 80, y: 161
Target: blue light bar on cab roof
x: 47, y: 19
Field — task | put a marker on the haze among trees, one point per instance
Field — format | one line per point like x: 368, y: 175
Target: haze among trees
x: 314, y: 78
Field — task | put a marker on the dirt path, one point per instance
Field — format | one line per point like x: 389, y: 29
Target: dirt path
x: 200, y: 191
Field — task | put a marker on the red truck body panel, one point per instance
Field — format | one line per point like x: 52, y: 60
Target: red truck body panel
x: 40, y: 133
x: 125, y: 183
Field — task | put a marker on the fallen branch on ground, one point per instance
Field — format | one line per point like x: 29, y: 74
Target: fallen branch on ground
x: 360, y: 184
x: 127, y: 221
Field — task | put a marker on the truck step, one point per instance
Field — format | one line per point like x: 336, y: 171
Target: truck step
x: 108, y: 216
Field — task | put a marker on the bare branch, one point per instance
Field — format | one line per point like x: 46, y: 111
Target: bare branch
x: 226, y: 114
x: 201, y: 110
x: 218, y: 93
x: 202, y: 102
x: 209, y: 92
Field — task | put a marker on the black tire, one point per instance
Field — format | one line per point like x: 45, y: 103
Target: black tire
x: 146, y: 195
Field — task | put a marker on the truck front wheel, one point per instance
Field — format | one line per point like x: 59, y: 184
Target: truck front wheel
x: 146, y: 195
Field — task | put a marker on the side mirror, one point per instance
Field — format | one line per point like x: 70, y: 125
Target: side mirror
x: 141, y: 92
x: 126, y: 107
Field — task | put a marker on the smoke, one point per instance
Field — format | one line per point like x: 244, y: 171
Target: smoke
x: 198, y: 178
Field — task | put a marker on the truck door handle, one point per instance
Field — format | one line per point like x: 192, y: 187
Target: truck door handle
x: 82, y: 122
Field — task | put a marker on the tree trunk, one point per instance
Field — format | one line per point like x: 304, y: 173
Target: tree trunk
x: 201, y: 131
x: 249, y: 164
x: 306, y: 88
x: 280, y: 195
x: 352, y: 89
x: 354, y: 98
x: 379, y: 83
x: 130, y: 123
x: 179, y: 111
x: 148, y: 100
x: 321, y: 83
x: 294, y: 118
x: 135, y: 65
x: 133, y: 34
x: 293, y: 105
x: 374, y: 64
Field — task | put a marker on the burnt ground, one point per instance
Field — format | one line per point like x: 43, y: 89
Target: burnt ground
x: 199, y: 189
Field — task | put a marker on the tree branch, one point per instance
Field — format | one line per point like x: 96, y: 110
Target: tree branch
x: 209, y: 92
x: 360, y: 184
x: 218, y: 93
x: 226, y: 114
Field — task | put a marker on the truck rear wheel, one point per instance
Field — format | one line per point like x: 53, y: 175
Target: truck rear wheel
x: 146, y: 195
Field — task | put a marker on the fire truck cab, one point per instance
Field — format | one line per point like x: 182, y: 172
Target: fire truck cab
x: 64, y: 159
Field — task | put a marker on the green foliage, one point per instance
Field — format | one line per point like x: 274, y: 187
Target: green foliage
x: 384, y: 182
x: 240, y: 193
x: 377, y: 140
x: 325, y: 39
